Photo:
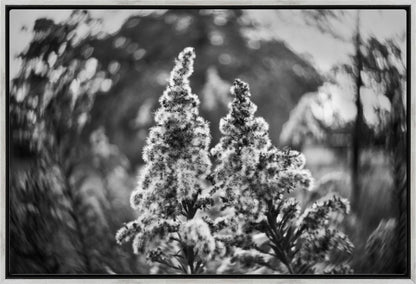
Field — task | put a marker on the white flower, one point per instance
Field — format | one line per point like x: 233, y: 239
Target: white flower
x: 196, y: 233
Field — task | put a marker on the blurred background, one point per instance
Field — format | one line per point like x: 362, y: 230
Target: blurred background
x: 85, y: 85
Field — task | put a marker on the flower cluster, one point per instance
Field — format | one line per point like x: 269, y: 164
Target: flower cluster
x: 250, y: 171
x: 177, y: 149
x: 196, y: 233
x: 254, y: 179
x: 256, y: 224
x: 172, y: 185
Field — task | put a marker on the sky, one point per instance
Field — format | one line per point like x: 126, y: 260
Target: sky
x: 288, y: 25
x: 323, y: 48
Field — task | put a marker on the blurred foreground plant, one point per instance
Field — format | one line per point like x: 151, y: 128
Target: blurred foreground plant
x: 380, y: 248
x: 56, y: 227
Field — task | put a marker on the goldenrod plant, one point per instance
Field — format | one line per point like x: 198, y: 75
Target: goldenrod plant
x: 171, y: 187
x: 264, y: 227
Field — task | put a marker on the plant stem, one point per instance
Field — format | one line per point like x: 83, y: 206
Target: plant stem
x: 272, y: 228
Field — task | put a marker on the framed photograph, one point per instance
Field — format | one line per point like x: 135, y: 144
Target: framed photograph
x: 177, y: 142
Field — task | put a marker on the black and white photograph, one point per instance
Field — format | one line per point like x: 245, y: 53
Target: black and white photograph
x: 180, y: 141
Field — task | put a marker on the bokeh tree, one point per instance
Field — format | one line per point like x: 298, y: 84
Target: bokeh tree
x: 385, y: 66
x: 377, y: 67
x: 220, y: 38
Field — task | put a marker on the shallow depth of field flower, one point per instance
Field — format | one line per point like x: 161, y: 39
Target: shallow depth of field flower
x: 171, y: 187
x: 259, y: 226
x: 255, y: 179
x: 117, y: 166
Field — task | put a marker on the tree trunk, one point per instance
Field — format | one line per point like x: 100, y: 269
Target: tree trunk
x: 358, y: 125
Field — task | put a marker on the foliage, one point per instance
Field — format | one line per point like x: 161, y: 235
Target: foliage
x: 383, y: 77
x: 254, y: 178
x: 386, y: 69
x: 380, y: 248
x: 63, y: 222
x: 42, y: 229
